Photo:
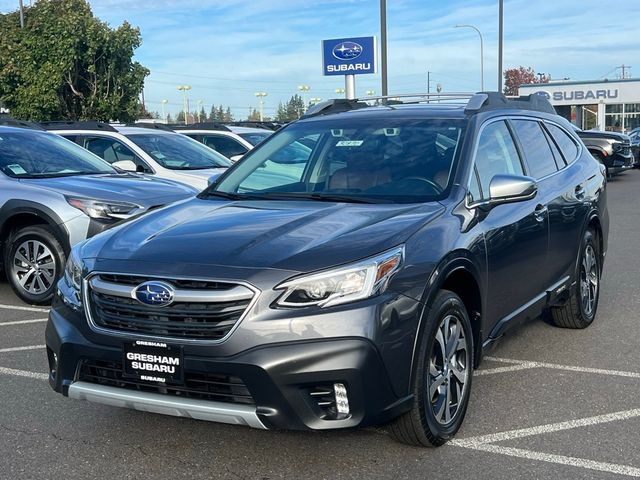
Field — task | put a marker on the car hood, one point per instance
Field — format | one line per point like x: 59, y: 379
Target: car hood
x: 133, y: 188
x: 288, y: 235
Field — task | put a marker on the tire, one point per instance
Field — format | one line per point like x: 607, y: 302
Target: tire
x: 34, y: 262
x: 580, y: 309
x: 426, y: 424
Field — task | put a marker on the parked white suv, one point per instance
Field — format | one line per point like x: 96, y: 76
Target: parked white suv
x: 153, y: 150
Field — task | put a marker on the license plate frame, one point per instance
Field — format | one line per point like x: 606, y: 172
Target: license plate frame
x: 154, y: 362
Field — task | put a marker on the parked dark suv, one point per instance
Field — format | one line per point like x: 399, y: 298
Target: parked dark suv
x: 359, y: 285
x: 612, y: 149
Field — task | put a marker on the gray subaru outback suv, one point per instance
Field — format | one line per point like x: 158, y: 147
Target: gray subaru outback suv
x: 53, y: 194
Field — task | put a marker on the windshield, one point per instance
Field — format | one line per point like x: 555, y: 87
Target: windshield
x: 379, y: 160
x: 178, y: 152
x: 32, y: 154
x: 254, y: 138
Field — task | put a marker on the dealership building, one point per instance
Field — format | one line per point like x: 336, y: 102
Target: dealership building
x: 611, y: 105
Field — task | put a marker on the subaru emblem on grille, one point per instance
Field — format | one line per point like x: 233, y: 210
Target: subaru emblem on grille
x: 156, y: 294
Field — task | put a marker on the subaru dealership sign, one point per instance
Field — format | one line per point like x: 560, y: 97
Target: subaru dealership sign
x: 349, y: 56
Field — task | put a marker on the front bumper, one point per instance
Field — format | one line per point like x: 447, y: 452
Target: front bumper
x: 279, y: 377
x: 621, y: 162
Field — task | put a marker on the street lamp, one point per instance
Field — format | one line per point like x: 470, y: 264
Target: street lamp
x: 315, y: 100
x: 184, y: 89
x: 481, y: 53
x: 261, y: 96
x: 371, y: 93
x: 304, y: 89
x: 164, y: 117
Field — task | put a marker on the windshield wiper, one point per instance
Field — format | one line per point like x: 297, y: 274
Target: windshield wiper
x: 320, y: 197
x: 227, y: 195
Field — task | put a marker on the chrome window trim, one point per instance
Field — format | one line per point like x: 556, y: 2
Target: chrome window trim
x: 184, y: 341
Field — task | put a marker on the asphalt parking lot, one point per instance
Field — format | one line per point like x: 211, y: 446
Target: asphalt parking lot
x: 546, y: 403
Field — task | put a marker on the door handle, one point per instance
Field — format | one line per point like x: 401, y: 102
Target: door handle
x: 540, y: 212
x: 580, y: 192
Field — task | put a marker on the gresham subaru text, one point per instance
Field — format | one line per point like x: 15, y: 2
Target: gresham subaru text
x: 358, y: 285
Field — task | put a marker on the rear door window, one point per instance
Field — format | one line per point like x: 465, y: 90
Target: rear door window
x: 537, y: 152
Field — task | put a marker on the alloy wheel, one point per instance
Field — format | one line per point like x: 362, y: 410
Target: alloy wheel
x: 589, y: 280
x: 34, y: 266
x: 449, y: 365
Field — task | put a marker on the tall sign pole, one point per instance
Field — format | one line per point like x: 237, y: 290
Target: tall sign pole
x: 500, y: 37
x: 383, y: 47
x: 21, y: 14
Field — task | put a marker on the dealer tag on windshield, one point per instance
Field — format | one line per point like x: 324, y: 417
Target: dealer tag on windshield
x: 17, y: 169
x: 349, y: 143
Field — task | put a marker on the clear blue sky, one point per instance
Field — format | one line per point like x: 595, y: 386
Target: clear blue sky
x: 229, y: 49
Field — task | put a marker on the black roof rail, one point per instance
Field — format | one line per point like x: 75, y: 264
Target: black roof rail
x: 7, y: 121
x: 77, y: 125
x: 336, y: 105
x: 495, y: 100
x: 200, y: 126
x: 153, y: 126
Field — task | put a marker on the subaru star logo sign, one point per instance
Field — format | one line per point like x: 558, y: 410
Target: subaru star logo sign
x: 349, y: 56
x: 347, y: 51
x: 155, y: 294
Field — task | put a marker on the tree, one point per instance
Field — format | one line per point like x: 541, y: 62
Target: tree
x: 67, y: 64
x: 514, y: 77
x: 228, y: 116
x: 202, y: 115
x: 180, y: 117
x: 254, y: 116
x: 291, y: 110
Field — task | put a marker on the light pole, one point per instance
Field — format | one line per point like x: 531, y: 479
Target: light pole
x: 481, y: 53
x: 383, y: 47
x: 304, y: 89
x: 500, y: 41
x: 21, y: 14
x: 200, y: 102
x: 164, y: 117
x: 184, y: 89
x: 261, y: 96
x: 371, y: 93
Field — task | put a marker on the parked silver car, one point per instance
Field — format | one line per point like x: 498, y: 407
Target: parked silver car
x: 53, y: 194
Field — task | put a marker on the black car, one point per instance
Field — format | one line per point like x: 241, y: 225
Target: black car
x: 612, y: 149
x: 359, y: 285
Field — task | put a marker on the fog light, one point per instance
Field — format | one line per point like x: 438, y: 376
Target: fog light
x: 342, y: 400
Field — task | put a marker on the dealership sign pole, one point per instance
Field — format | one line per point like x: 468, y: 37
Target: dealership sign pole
x: 349, y: 57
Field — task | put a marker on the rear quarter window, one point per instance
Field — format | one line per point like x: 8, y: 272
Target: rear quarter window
x: 537, y: 152
x: 565, y: 143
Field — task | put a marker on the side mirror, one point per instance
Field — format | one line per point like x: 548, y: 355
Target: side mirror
x: 126, y: 165
x: 509, y: 189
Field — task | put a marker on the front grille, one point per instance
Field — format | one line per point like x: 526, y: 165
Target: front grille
x: 201, y: 386
x: 198, y: 320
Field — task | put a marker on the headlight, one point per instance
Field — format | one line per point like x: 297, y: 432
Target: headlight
x: 344, y: 284
x: 103, y: 210
x: 73, y: 270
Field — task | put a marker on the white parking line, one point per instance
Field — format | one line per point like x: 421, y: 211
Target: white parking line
x: 20, y: 322
x: 486, y: 443
x: 23, y: 373
x: 560, y: 459
x: 21, y: 349
x: 512, y: 368
x: 549, y: 428
x: 571, y: 368
x: 24, y: 309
